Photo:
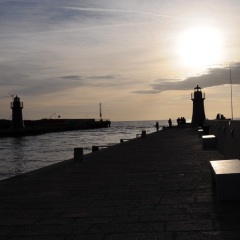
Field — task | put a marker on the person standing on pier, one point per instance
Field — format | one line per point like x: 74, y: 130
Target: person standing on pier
x: 157, y: 126
x: 178, y: 122
x: 170, y: 122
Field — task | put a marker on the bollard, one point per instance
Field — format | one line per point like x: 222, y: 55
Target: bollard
x: 95, y: 148
x: 206, y: 130
x: 144, y: 134
x: 200, y: 132
x: 78, y: 154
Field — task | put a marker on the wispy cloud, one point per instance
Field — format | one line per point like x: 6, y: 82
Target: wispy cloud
x: 73, y: 77
x: 146, y: 91
x: 106, y: 10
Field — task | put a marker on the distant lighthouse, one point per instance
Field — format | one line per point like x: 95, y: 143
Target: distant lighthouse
x: 17, y: 119
x: 198, y: 115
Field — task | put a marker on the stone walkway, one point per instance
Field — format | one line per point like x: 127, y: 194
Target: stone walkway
x: 153, y: 188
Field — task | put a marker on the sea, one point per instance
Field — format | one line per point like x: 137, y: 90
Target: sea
x: 24, y: 154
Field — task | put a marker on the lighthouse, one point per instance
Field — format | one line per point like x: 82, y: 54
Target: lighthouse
x: 17, y: 119
x: 198, y: 115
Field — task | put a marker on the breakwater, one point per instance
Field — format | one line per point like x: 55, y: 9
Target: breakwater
x: 43, y: 126
x: 227, y: 133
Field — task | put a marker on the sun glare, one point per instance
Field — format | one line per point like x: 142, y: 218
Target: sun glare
x: 200, y: 46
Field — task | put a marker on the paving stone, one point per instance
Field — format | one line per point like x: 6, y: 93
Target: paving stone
x: 127, y: 227
x: 50, y: 230
x: 100, y: 219
x: 36, y: 238
x: 141, y: 236
x: 175, y: 217
x: 55, y: 221
x: 202, y: 225
x: 86, y: 237
x: 5, y: 230
x: 126, y: 219
x: 211, y: 235
x: 16, y: 221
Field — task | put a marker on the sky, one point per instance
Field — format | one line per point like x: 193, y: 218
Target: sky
x: 141, y: 59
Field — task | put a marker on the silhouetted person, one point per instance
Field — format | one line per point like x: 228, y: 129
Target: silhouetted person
x: 170, y: 122
x: 218, y: 116
x: 183, y: 121
x: 178, y: 122
x: 157, y: 126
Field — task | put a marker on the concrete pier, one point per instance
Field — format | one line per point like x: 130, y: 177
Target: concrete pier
x: 158, y: 187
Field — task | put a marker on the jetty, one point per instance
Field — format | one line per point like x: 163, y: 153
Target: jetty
x: 153, y: 187
x: 36, y: 127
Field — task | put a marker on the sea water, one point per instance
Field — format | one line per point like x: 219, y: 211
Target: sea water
x: 24, y: 154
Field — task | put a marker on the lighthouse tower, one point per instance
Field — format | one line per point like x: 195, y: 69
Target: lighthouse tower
x: 198, y: 115
x: 17, y: 119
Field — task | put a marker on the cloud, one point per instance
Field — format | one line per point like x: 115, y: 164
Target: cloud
x: 146, y: 91
x: 45, y: 86
x: 96, y: 80
x: 213, y: 77
x: 107, y: 10
x: 39, y: 85
x: 72, y: 77
x: 31, y: 17
x: 104, y: 77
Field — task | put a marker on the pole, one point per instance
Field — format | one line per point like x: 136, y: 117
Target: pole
x: 100, y: 110
x: 231, y: 93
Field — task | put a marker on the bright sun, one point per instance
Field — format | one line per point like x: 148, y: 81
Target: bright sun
x: 200, y: 46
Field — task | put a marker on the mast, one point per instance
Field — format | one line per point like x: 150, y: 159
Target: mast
x: 231, y: 93
x: 100, y: 110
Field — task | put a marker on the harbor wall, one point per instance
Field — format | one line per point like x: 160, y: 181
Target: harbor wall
x: 227, y: 133
x: 36, y: 127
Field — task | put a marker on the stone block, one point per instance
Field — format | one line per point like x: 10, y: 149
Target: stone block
x: 226, y: 178
x: 209, y: 141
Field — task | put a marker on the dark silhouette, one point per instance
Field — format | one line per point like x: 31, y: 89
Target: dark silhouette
x: 178, y: 122
x: 198, y: 115
x: 220, y: 116
x: 17, y: 118
x: 170, y: 122
x: 183, y: 121
x: 157, y: 126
